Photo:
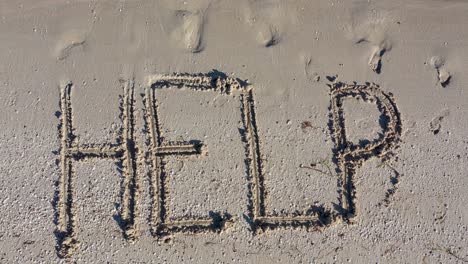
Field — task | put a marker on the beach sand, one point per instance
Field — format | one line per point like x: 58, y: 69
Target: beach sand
x: 224, y: 131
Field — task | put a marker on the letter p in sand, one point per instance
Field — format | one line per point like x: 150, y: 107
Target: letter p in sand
x: 350, y: 156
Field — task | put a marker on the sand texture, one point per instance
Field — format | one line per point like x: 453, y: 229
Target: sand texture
x: 250, y: 131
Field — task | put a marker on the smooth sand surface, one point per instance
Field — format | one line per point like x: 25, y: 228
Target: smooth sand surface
x: 242, y: 131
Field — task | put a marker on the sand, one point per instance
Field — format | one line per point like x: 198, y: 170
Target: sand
x: 233, y: 131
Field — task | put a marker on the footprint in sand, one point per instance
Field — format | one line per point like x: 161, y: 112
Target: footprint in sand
x: 308, y: 72
x: 68, y: 42
x: 268, y: 19
x: 436, y: 123
x: 268, y: 35
x: 366, y: 26
x: 375, y: 60
x: 184, y: 24
x: 378, y: 50
x: 191, y: 31
x: 443, y: 75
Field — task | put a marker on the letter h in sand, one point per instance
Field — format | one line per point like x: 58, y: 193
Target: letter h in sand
x: 123, y: 152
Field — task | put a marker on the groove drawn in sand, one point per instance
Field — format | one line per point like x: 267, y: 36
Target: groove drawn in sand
x: 349, y: 156
x: 313, y: 218
x: 124, y: 152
